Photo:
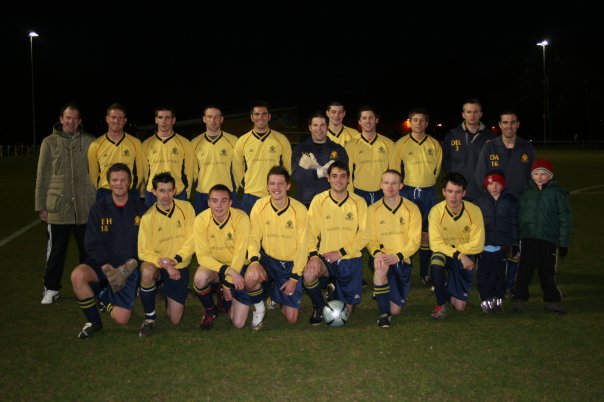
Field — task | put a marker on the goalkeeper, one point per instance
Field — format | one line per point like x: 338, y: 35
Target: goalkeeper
x: 311, y: 159
x: 111, y: 244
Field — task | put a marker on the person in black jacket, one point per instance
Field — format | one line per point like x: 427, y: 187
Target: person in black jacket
x: 500, y: 213
x: 311, y: 158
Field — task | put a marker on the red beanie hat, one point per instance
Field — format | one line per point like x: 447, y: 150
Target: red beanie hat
x: 543, y: 165
x: 491, y: 177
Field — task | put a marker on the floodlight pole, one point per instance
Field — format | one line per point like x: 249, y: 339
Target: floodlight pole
x: 32, y: 35
x: 543, y: 45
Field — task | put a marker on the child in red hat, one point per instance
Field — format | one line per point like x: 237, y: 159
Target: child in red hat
x: 500, y: 214
x: 545, y: 221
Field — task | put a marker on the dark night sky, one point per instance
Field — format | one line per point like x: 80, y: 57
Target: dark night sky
x: 394, y: 65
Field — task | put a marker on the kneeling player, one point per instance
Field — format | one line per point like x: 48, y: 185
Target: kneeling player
x: 456, y: 237
x: 395, y: 232
x: 221, y: 237
x: 111, y: 241
x: 337, y: 232
x: 166, y: 230
x: 277, y: 248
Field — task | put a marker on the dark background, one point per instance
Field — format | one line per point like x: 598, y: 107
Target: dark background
x: 190, y: 58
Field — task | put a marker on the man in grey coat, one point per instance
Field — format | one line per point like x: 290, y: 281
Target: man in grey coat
x: 64, y: 193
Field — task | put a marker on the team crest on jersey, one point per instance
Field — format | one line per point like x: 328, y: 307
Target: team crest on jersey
x: 327, y: 216
x: 126, y: 153
x: 382, y: 222
x: 410, y: 153
x: 466, y: 229
x: 333, y: 155
x: 272, y: 149
x: 159, y: 229
x: 524, y: 158
x: 349, y: 216
x: 430, y: 152
x: 175, y: 151
x: 229, y: 236
x: 381, y: 150
x: 223, y: 152
x: 289, y: 225
x: 137, y: 220
x: 401, y: 220
x: 178, y: 224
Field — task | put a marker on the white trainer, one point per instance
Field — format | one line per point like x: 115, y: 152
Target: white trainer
x: 50, y: 296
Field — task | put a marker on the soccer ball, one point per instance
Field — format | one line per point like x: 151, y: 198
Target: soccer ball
x: 335, y: 313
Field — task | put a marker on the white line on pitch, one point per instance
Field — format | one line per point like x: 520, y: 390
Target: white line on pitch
x: 586, y: 188
x: 19, y: 232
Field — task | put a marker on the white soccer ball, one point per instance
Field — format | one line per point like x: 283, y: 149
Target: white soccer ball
x: 335, y: 313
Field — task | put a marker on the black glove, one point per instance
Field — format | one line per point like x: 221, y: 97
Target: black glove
x: 562, y: 251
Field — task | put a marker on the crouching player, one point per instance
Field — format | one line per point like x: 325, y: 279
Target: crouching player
x: 456, y: 238
x: 277, y: 248
x: 110, y: 241
x: 337, y: 232
x: 221, y: 236
x: 395, y: 225
x: 165, y: 247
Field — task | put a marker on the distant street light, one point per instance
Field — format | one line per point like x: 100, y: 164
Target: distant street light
x: 543, y: 44
x: 32, y: 35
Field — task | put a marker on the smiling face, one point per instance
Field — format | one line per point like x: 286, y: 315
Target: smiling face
x: 219, y: 202
x: 119, y: 183
x: 278, y: 188
x: 338, y: 181
x: 260, y: 117
x: 116, y: 120
x: 70, y: 120
x: 165, y: 122
x: 318, y: 129
x: 336, y: 115
x: 391, y: 185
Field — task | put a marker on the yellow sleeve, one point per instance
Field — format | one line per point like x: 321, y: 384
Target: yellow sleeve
x: 242, y: 228
x: 301, y: 257
x: 287, y: 155
x: 190, y: 166
x: 314, y: 223
x: 475, y: 244
x: 436, y: 241
x: 202, y: 249
x: 360, y: 239
x: 142, y: 164
x: 188, y: 247
x: 253, y: 249
x: 195, y: 164
x: 238, y: 160
x: 415, y: 231
x: 439, y: 158
x: 93, y: 164
x: 373, y: 243
x: 145, y: 241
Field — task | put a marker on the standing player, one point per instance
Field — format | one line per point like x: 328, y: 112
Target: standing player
x: 221, y: 239
x: 116, y: 146
x: 513, y: 155
x: 311, y: 159
x: 169, y: 152
x: 277, y: 247
x: 165, y: 247
x: 418, y: 156
x: 256, y: 152
x: 111, y: 241
x: 63, y: 194
x: 395, y: 231
x: 456, y: 237
x: 213, y: 151
x: 462, y: 145
x: 337, y: 232
x: 337, y: 131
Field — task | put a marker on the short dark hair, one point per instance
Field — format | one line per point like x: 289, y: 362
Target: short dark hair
x: 335, y: 103
x: 163, y: 177
x: 119, y: 167
x: 367, y: 108
x: 419, y: 110
x: 316, y: 115
x: 116, y: 106
x: 219, y: 187
x: 211, y: 106
x: 471, y: 101
x: 455, y: 178
x: 260, y: 103
x: 340, y: 165
x: 279, y: 170
x: 165, y: 108
x: 508, y: 111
